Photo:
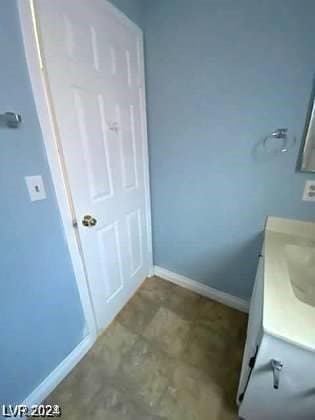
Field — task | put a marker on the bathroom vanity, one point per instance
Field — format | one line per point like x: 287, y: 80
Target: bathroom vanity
x: 278, y: 372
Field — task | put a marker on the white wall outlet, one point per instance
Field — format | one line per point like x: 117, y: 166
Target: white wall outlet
x: 35, y: 187
x: 309, y: 191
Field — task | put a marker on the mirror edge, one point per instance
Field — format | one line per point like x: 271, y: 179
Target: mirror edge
x: 302, y: 157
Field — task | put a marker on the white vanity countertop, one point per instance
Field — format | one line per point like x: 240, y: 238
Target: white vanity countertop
x: 284, y: 315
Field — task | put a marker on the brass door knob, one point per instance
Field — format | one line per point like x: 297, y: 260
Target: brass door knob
x: 89, y: 221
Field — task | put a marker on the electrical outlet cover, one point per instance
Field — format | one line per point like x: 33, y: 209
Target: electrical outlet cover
x: 35, y: 187
x: 309, y: 191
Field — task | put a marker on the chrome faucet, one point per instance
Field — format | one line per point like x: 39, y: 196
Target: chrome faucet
x: 276, y: 369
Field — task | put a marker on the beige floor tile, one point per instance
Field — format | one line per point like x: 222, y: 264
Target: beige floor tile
x: 145, y: 371
x: 137, y: 314
x: 191, y: 396
x: 169, y: 353
x: 206, y: 350
x: 230, y: 386
x: 228, y: 414
x: 183, y: 302
x: 113, y: 404
x: 221, y: 318
x: 112, y: 346
x: 169, y: 331
x: 156, y: 289
x: 78, y: 389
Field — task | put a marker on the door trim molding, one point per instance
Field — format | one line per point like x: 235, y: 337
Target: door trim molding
x: 46, y: 121
x: 146, y: 161
x: 202, y: 289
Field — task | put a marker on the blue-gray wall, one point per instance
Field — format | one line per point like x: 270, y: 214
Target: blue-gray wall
x: 132, y: 8
x: 221, y: 74
x: 41, y: 319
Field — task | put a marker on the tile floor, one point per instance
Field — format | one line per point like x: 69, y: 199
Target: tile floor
x: 170, y: 354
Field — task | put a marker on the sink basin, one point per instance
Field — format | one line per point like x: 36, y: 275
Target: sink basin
x: 289, y: 281
x: 301, y: 265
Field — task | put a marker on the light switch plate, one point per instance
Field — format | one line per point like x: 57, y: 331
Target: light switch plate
x: 35, y: 187
x: 309, y: 191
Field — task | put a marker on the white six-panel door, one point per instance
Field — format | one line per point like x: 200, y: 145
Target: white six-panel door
x: 94, y: 69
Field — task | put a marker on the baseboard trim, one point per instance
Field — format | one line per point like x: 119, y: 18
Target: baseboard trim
x: 59, y: 373
x: 202, y: 289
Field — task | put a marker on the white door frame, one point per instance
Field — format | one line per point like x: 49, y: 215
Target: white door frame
x: 54, y: 153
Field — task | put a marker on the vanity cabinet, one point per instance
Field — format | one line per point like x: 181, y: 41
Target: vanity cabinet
x: 258, y: 396
x: 254, y: 332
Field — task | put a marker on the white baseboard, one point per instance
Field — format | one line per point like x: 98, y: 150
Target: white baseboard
x: 59, y: 373
x: 202, y: 289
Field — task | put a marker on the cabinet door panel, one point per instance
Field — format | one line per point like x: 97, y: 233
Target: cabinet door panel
x: 254, y: 328
x: 295, y: 397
